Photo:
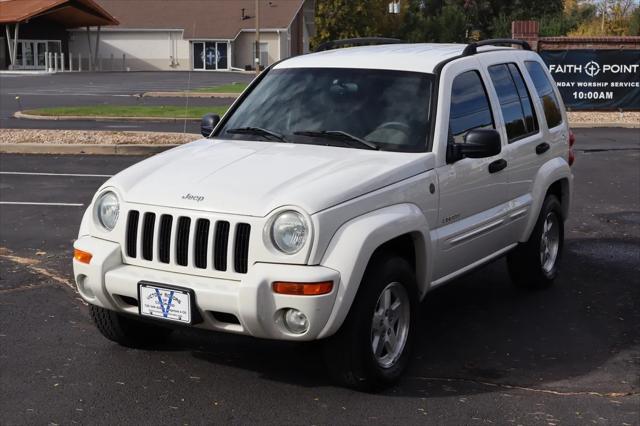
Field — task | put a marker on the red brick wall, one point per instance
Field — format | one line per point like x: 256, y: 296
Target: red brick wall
x: 529, y: 31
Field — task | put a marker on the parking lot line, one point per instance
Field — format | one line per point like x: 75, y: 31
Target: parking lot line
x: 24, y: 203
x: 54, y: 174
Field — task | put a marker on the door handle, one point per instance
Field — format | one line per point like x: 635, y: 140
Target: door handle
x: 497, y: 165
x: 542, y: 148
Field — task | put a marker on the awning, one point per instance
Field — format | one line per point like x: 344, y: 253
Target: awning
x: 66, y: 13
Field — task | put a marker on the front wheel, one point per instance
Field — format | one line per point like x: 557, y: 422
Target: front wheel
x: 372, y: 349
x: 125, y: 330
x: 534, y: 264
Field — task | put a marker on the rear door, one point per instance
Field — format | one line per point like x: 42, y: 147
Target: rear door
x: 533, y: 127
x: 525, y: 141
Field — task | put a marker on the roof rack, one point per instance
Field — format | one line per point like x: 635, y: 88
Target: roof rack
x: 472, y: 48
x: 361, y: 41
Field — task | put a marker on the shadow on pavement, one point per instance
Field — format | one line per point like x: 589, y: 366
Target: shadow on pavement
x: 480, y: 329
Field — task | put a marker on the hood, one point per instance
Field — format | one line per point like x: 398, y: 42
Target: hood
x: 253, y: 178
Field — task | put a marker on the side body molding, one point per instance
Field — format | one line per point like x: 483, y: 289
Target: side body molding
x: 552, y: 171
x: 359, y: 238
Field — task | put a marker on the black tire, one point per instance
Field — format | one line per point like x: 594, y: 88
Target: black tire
x: 526, y: 266
x: 127, y: 331
x: 349, y: 354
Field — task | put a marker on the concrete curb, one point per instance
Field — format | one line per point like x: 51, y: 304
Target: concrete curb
x: 189, y: 94
x: 22, y: 115
x: 93, y: 149
x: 596, y: 125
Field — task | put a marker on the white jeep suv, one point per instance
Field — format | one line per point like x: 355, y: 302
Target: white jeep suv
x: 337, y: 191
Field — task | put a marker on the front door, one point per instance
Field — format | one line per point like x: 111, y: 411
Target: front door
x: 31, y: 54
x: 472, y: 198
x: 210, y: 56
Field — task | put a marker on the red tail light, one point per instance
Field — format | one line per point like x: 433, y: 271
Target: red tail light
x: 572, y: 138
x: 572, y: 141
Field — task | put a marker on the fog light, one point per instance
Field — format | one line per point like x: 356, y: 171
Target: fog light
x: 296, y: 321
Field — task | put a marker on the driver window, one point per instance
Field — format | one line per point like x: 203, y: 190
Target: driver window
x: 470, y: 108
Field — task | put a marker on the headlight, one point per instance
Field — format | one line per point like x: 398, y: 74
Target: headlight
x: 107, y: 210
x: 289, y: 232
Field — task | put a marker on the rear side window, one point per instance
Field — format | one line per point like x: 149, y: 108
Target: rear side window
x: 469, y: 106
x: 515, y: 102
x: 548, y: 98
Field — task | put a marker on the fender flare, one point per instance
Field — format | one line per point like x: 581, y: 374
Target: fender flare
x: 85, y: 225
x: 355, y: 242
x: 550, y: 172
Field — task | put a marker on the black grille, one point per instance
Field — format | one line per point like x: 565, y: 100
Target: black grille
x: 159, y: 241
x: 220, y: 247
x: 202, y: 239
x: 164, y: 238
x: 132, y: 233
x: 148, y: 226
x: 182, y: 241
x: 241, y: 254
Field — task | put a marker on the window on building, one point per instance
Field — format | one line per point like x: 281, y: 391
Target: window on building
x: 470, y: 108
x: 548, y: 98
x: 515, y: 102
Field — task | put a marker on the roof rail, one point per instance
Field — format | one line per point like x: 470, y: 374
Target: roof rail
x: 361, y: 41
x: 472, y: 48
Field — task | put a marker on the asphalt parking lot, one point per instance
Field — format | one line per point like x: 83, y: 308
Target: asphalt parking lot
x: 488, y: 353
x: 112, y: 88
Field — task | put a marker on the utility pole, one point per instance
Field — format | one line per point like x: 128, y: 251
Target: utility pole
x: 604, y: 12
x: 257, y: 58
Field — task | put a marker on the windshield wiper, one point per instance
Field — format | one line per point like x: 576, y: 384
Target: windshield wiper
x: 338, y: 135
x: 259, y: 131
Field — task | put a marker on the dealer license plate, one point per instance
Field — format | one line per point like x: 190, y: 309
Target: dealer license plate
x: 165, y: 303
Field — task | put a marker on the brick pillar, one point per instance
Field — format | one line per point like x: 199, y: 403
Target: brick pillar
x: 527, y: 31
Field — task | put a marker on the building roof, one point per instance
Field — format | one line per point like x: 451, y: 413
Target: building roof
x: 202, y: 19
x: 68, y: 13
x: 423, y: 57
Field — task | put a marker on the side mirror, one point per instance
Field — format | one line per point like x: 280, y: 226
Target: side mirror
x: 208, y: 123
x: 478, y: 143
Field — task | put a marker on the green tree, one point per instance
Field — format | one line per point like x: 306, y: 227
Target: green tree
x: 634, y: 22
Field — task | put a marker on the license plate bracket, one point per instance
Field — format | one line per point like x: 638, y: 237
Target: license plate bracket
x: 166, y: 302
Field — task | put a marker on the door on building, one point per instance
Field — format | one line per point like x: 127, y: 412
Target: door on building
x: 264, y: 54
x: 31, y: 54
x: 210, y: 55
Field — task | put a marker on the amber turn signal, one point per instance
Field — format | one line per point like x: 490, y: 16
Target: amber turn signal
x: 82, y: 256
x: 303, y: 289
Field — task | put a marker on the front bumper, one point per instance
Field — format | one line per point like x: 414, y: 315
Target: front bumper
x: 107, y: 282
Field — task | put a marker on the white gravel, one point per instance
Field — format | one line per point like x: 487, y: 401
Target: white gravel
x: 588, y: 117
x: 64, y: 137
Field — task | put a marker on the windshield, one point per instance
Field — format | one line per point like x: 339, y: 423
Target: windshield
x: 357, y: 108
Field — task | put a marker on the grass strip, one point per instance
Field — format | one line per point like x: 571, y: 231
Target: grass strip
x: 225, y: 88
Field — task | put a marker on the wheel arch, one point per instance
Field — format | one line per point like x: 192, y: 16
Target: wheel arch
x: 401, y: 229
x: 554, y: 177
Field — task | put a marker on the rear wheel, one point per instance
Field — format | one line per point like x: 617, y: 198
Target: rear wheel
x: 534, y: 264
x: 125, y: 330
x: 372, y: 349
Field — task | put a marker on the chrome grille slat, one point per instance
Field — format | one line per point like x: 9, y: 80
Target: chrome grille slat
x: 197, y: 242
x: 231, y: 249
